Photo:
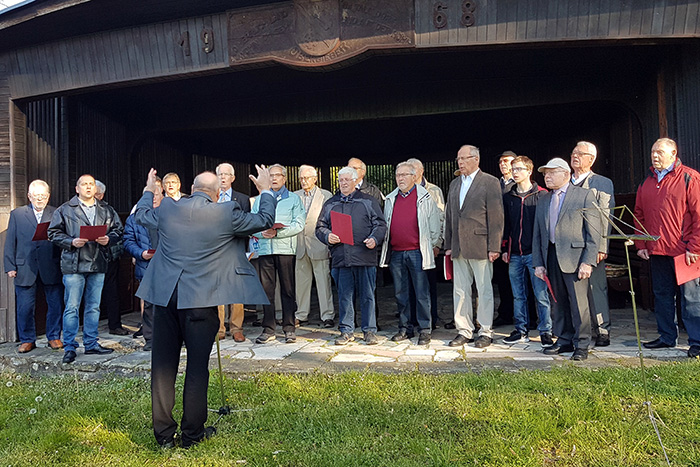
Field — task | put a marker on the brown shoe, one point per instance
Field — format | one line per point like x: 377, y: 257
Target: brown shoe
x: 55, y: 344
x: 238, y: 336
x: 25, y: 347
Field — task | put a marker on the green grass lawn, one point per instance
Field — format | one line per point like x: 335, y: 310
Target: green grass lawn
x: 563, y: 417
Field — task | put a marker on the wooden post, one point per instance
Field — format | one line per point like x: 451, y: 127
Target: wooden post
x: 661, y: 96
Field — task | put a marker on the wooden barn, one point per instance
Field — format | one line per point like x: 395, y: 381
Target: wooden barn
x: 112, y: 88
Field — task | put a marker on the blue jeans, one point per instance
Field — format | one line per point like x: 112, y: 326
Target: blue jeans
x: 408, y: 266
x: 517, y: 268
x: 663, y: 281
x: 363, y: 279
x: 75, y: 285
x: 26, y: 306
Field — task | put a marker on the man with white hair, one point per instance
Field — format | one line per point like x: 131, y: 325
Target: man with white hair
x: 33, y: 263
x: 312, y: 255
x: 234, y: 312
x: 353, y: 265
x: 172, y: 185
x: 583, y: 157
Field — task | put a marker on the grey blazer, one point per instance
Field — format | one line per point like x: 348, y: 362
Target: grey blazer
x: 577, y: 242
x: 198, y: 252
x: 307, y: 243
x: 477, y: 228
x: 602, y: 188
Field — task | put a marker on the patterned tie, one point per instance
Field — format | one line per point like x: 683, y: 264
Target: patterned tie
x: 553, y: 214
x: 222, y: 197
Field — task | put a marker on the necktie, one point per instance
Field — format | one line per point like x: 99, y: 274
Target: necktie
x: 553, y: 214
x: 222, y: 197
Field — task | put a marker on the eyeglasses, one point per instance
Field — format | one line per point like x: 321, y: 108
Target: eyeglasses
x: 40, y: 197
x: 276, y: 175
x: 307, y: 178
x: 346, y: 180
x: 519, y: 169
x: 465, y: 158
x: 226, y: 174
x: 404, y: 175
x: 579, y: 153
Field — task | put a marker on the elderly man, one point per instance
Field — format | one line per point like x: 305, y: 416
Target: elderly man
x: 171, y: 183
x: 582, y: 158
x: 439, y: 200
x: 140, y: 242
x: 473, y: 233
x: 33, y: 263
x: 199, y: 264
x: 565, y: 249
x: 83, y: 262
x: 365, y: 186
x: 520, y: 205
x: 312, y: 255
x: 277, y: 256
x: 234, y: 312
x: 668, y: 205
x: 413, y: 232
x: 500, y: 269
x: 354, y: 266
x: 110, y: 289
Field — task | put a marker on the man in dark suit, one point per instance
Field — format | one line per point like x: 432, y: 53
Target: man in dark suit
x: 500, y: 268
x: 565, y: 249
x: 233, y: 313
x: 31, y: 263
x: 473, y: 234
x: 199, y: 264
x: 582, y: 158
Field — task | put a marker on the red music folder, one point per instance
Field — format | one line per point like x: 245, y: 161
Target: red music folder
x: 41, y: 232
x: 448, y: 268
x: 685, y: 273
x: 92, y: 232
x: 549, y: 286
x: 341, y: 225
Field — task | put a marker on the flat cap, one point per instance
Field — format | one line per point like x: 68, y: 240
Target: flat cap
x: 556, y: 163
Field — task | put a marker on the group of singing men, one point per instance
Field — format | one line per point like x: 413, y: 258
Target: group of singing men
x: 190, y: 256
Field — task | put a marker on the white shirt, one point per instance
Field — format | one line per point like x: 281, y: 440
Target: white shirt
x: 466, y: 184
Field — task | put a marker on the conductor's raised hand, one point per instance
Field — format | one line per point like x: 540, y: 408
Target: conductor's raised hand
x: 262, y: 181
x: 151, y: 181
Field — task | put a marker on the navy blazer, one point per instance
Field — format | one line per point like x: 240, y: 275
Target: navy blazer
x: 30, y: 258
x: 198, y: 252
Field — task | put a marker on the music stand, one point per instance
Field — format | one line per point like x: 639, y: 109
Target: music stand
x: 642, y: 234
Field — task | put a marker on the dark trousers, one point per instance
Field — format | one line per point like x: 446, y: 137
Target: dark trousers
x: 283, y: 266
x: 571, y: 317
x: 197, y: 328
x: 110, y: 296
x: 26, y: 306
x: 147, y: 320
x: 505, y: 292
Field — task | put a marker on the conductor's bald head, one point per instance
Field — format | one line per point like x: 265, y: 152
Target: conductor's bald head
x: 208, y: 183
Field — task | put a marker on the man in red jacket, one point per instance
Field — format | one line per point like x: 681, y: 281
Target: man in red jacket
x: 668, y: 205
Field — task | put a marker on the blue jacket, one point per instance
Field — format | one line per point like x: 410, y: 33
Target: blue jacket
x: 367, y: 221
x: 137, y: 239
x: 290, y: 212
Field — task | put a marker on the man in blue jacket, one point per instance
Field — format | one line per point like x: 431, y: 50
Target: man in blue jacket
x: 31, y: 263
x: 354, y: 267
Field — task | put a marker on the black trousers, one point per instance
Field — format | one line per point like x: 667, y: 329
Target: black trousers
x: 110, y: 296
x: 283, y: 266
x: 571, y: 318
x: 197, y: 328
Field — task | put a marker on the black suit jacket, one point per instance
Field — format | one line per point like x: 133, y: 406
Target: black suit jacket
x: 31, y: 259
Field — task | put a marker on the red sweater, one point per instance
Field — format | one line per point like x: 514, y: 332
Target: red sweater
x: 671, y: 209
x: 404, y: 223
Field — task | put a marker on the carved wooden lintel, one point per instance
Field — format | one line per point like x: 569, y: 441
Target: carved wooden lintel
x: 318, y: 32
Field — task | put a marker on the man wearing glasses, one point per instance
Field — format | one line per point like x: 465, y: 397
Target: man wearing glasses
x: 473, y: 234
x: 564, y: 252
x: 582, y: 158
x: 31, y: 263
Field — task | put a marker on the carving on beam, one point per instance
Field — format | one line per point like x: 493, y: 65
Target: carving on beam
x: 318, y: 32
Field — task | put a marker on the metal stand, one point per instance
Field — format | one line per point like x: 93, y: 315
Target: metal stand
x: 224, y: 409
x: 629, y: 241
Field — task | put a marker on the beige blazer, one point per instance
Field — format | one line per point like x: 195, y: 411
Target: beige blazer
x: 307, y: 243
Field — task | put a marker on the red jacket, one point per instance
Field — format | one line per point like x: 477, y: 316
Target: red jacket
x: 670, y: 209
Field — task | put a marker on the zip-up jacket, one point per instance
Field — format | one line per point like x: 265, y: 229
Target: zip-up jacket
x: 671, y: 209
x: 519, y: 210
x: 428, y: 226
x: 367, y: 221
x: 290, y: 212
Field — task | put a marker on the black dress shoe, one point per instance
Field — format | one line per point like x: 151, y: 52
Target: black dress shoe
x: 579, y: 354
x: 98, y: 350
x: 460, y: 340
x: 657, y: 344
x: 450, y: 325
x: 138, y: 333
x: 120, y: 331
x: 328, y: 323
x: 694, y: 351
x: 69, y: 356
x: 482, y: 341
x: 208, y: 433
x: 557, y: 348
x: 603, y: 340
